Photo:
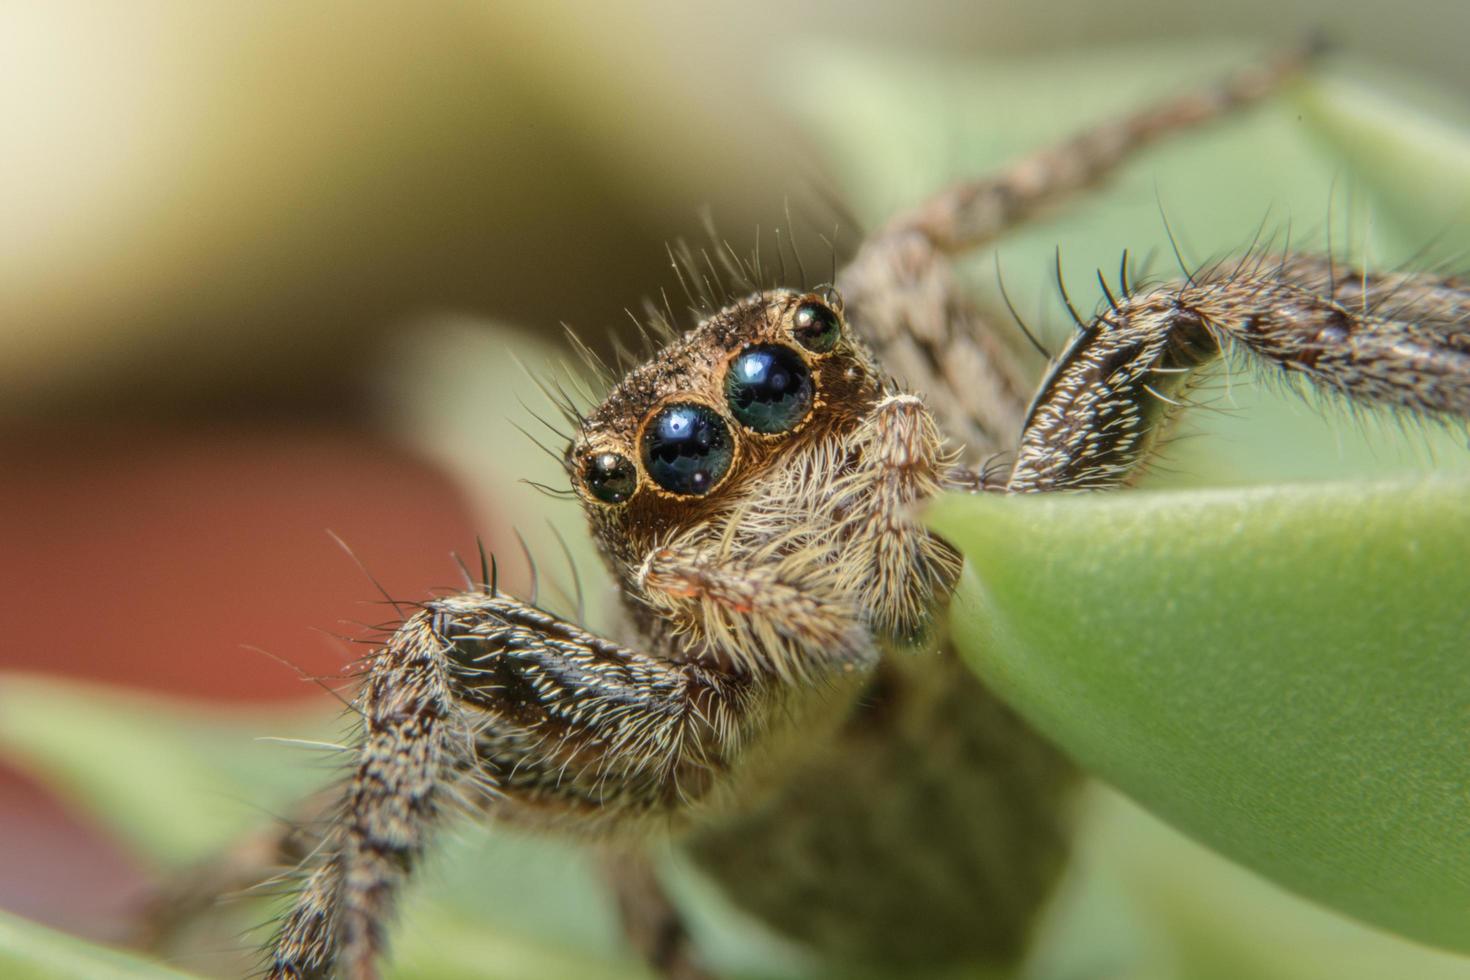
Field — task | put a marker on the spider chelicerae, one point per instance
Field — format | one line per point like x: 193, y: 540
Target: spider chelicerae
x: 778, y: 694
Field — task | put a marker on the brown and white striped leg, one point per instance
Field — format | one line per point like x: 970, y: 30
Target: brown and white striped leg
x: 481, y: 702
x: 413, y: 742
x: 1400, y: 340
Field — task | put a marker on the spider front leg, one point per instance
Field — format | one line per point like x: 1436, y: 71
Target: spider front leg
x: 1398, y: 340
x: 481, y: 702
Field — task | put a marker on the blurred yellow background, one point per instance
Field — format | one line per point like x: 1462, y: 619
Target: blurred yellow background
x: 220, y: 209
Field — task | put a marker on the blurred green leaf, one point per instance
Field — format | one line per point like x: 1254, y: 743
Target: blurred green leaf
x: 1147, y: 903
x: 1280, y: 671
x: 1415, y: 164
x: 457, y: 945
x: 32, y: 952
x: 176, y: 781
x: 474, y: 398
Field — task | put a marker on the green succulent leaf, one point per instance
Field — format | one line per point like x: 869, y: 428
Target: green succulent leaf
x: 32, y: 952
x: 1279, y: 671
x: 175, y: 781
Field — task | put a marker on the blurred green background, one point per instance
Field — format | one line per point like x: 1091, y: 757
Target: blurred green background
x: 260, y: 265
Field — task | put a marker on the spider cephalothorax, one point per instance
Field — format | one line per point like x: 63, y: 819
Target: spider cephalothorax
x: 754, y: 485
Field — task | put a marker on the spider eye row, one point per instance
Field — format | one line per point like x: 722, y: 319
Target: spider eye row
x: 687, y: 447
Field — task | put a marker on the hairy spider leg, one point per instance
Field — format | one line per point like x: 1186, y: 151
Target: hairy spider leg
x: 1400, y: 340
x: 904, y: 297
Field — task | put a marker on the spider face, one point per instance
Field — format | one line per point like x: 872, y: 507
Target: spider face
x: 773, y: 381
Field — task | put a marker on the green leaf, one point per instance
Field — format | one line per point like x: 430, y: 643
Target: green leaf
x: 1153, y: 905
x: 473, y: 398
x: 175, y: 780
x: 1279, y: 671
x: 1415, y: 164
x: 32, y: 952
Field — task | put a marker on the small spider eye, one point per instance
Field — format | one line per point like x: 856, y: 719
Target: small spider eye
x: 769, y: 388
x: 687, y: 449
x: 816, y: 327
x: 610, y: 477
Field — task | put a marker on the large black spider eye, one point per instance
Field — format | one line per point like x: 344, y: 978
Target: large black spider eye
x: 769, y: 388
x: 610, y: 477
x: 816, y: 327
x: 687, y: 449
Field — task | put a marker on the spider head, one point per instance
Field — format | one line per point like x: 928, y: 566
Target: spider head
x: 700, y: 427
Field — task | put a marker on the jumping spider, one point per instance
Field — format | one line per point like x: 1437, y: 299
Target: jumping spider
x: 773, y: 695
